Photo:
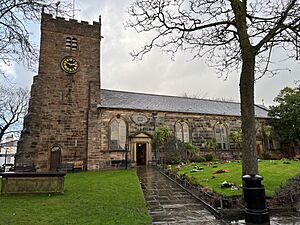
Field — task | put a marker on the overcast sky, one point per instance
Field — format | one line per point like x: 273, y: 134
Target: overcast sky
x: 157, y: 73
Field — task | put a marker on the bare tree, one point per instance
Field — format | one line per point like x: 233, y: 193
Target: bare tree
x: 13, y: 108
x: 198, y: 94
x: 15, y: 19
x: 232, y: 34
x: 222, y: 99
x: 204, y: 95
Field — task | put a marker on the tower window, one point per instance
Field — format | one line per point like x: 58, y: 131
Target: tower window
x: 71, y: 43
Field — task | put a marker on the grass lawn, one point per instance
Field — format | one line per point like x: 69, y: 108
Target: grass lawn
x: 275, y: 173
x: 106, y: 197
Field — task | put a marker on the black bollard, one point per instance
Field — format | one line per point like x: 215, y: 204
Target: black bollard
x: 256, y: 211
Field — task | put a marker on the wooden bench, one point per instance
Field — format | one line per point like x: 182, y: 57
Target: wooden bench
x: 70, y: 166
x: 78, y: 165
x: 66, y: 167
x: 117, y: 162
x: 25, y: 168
x: 103, y: 164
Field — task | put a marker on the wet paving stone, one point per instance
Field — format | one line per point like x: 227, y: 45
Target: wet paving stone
x: 169, y: 204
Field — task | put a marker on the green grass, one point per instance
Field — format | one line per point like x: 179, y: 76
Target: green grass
x: 275, y: 173
x: 106, y: 197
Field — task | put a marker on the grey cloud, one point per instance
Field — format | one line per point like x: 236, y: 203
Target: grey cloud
x: 157, y: 73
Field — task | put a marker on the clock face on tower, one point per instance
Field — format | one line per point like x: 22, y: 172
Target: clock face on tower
x: 70, y: 65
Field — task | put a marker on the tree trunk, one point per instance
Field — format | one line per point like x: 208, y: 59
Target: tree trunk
x: 1, y: 135
x: 3, y: 130
x: 249, y: 154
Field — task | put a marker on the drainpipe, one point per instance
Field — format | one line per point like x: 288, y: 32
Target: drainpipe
x: 154, y: 116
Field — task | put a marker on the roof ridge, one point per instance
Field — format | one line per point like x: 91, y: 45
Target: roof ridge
x: 170, y: 96
x: 145, y: 101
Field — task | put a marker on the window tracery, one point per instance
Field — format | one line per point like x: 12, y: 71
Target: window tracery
x: 118, y: 133
x: 182, y: 132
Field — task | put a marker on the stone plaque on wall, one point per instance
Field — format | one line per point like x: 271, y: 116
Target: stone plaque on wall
x: 139, y: 118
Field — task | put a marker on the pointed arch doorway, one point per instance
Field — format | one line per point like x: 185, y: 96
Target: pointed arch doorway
x: 141, y: 149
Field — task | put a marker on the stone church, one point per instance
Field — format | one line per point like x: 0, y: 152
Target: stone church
x: 72, y: 119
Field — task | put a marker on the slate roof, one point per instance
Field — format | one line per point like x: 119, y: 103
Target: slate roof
x: 141, y: 101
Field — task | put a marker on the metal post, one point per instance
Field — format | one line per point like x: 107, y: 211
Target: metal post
x: 126, y: 156
x: 154, y: 116
x: 5, y: 155
x: 256, y: 211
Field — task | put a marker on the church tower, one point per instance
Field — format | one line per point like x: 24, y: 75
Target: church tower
x: 64, y: 95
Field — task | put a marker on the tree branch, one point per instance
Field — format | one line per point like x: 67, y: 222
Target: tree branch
x: 278, y: 25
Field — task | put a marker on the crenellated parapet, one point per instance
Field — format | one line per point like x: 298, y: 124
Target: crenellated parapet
x: 61, y: 24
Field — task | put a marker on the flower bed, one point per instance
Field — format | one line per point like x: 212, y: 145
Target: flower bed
x: 232, y: 204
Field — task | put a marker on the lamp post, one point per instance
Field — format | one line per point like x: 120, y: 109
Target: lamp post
x: 126, y: 156
x: 5, y: 156
x: 154, y: 116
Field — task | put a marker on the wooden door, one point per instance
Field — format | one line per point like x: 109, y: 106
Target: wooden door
x: 55, y: 158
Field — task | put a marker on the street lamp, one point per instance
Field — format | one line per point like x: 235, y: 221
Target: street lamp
x: 154, y: 117
x: 5, y: 156
x: 126, y: 156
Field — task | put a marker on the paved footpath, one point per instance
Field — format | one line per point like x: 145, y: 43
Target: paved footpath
x: 170, y: 204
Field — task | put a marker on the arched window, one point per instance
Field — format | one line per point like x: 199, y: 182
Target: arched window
x: 182, y: 131
x: 71, y: 43
x: 117, y: 134
x: 178, y: 131
x: 186, y: 133
x: 221, y: 136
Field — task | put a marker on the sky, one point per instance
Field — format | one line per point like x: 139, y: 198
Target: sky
x: 157, y: 73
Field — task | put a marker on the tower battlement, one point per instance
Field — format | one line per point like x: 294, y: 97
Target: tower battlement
x: 63, y: 25
x: 50, y: 16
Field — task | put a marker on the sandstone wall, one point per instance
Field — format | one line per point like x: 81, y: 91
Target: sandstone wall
x: 201, y: 129
x: 60, y: 103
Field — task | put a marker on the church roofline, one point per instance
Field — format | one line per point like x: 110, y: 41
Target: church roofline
x: 185, y: 112
x: 171, y: 96
x: 115, y: 99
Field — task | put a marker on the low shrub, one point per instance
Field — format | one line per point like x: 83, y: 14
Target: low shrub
x: 288, y: 193
x: 271, y: 156
x: 265, y: 156
x: 209, y: 157
x: 198, y: 159
x: 173, y: 161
